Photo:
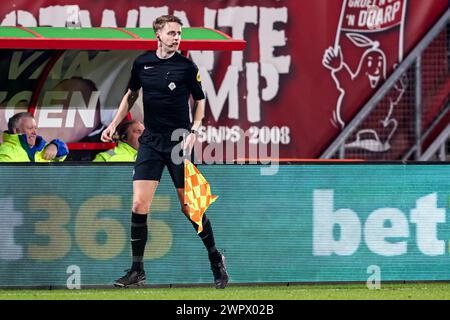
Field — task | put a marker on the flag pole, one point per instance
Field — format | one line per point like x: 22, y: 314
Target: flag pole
x: 341, y: 19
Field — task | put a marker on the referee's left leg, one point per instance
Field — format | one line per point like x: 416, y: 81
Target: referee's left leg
x: 216, y: 259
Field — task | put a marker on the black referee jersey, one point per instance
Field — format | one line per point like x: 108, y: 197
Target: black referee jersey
x: 166, y: 86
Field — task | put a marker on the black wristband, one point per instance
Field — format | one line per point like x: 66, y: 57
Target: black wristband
x: 194, y: 131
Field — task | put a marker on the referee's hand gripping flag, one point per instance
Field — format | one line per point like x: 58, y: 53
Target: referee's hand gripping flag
x: 197, y: 193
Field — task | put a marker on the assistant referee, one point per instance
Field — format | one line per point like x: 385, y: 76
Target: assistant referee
x: 167, y: 80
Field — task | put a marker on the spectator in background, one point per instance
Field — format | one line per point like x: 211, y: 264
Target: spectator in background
x: 128, y: 144
x: 22, y: 144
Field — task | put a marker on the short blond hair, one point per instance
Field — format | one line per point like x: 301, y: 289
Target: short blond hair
x: 161, y: 21
x: 14, y: 121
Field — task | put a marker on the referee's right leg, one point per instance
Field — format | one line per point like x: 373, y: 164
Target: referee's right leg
x: 143, y: 192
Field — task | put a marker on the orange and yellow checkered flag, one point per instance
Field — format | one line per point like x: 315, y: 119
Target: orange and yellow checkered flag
x: 197, y: 193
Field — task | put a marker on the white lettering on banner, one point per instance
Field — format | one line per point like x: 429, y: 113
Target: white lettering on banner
x: 375, y: 232
x: 360, y: 3
x: 253, y: 100
x: 324, y: 220
x: 212, y: 134
x: 85, y: 18
x: 19, y: 17
x: 27, y: 18
x: 373, y: 14
x: 270, y: 38
x: 57, y: 16
x: 86, y: 112
x: 228, y: 90
x: 49, y: 106
x: 16, y: 67
x: 183, y: 17
x: 81, y: 65
x: 132, y: 18
x: 379, y: 16
x: 109, y: 19
x: 9, y: 219
x: 426, y: 216
x: 10, y: 19
x: 77, y: 105
x: 272, y: 77
x: 368, y: 3
x: 237, y: 17
x: 149, y: 14
x: 202, y: 58
x: 73, y: 19
x: 256, y: 135
x: 19, y: 99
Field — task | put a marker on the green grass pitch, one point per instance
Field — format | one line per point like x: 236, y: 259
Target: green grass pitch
x: 397, y: 291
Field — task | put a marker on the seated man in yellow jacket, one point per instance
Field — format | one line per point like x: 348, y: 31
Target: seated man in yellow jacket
x: 126, y: 149
x: 22, y: 144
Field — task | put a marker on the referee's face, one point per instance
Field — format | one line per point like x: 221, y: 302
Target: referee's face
x: 170, y: 36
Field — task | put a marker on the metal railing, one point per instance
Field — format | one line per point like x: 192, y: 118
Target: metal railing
x: 421, y: 84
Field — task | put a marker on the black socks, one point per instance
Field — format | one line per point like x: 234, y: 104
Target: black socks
x: 138, y: 240
x: 207, y: 237
x: 139, y: 233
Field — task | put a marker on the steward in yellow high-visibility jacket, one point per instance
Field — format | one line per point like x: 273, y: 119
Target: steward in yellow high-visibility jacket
x: 128, y: 143
x: 15, y: 148
x: 123, y: 152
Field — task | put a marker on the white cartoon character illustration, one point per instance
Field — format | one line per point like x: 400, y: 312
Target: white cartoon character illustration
x: 369, y: 35
x: 371, y: 68
x: 369, y: 139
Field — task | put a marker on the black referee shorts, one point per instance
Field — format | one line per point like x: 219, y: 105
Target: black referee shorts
x: 156, y: 151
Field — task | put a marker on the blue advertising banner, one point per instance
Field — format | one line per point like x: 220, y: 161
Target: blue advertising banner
x: 62, y: 224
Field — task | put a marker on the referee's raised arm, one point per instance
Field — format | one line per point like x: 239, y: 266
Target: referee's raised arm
x: 125, y: 106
